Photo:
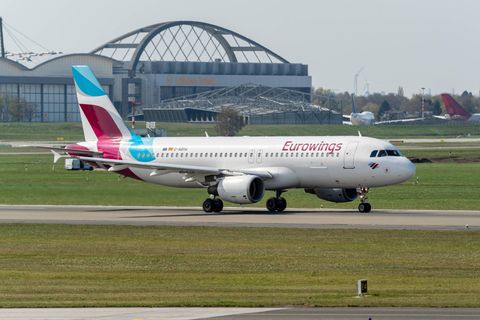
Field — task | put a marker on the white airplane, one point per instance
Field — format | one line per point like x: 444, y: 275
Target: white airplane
x: 366, y: 118
x: 234, y: 169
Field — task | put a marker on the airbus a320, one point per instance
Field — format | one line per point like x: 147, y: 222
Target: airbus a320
x: 234, y: 169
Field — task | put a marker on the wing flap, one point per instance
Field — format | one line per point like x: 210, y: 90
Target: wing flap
x: 62, y: 149
x: 163, y: 168
x: 153, y: 166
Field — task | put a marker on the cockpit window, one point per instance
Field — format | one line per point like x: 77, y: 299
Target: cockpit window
x: 382, y: 153
x: 394, y: 153
x: 373, y: 154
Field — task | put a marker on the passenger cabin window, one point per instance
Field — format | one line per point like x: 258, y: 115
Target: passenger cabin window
x: 373, y: 154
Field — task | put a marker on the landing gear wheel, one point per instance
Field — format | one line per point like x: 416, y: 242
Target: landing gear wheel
x: 217, y: 205
x: 208, y: 205
x: 368, y: 207
x: 272, y: 204
x: 364, y: 207
x: 281, y: 204
x: 361, y: 207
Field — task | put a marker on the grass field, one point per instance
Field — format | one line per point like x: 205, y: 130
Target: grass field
x: 29, y: 179
x: 78, y: 266
x: 73, y: 131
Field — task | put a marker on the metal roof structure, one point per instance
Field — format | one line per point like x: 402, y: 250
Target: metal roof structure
x: 32, y: 59
x: 190, y: 41
x: 247, y: 99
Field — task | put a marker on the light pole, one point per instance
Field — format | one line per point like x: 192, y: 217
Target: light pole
x: 423, y: 103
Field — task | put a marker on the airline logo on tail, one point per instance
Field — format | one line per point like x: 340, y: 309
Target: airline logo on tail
x: 454, y: 109
x: 102, y: 123
x: 100, y: 119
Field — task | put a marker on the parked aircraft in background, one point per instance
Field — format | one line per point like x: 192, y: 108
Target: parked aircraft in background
x: 355, y: 118
x: 234, y: 169
x: 367, y: 118
x: 456, y: 111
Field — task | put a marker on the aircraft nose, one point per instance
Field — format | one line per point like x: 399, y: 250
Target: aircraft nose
x: 407, y: 170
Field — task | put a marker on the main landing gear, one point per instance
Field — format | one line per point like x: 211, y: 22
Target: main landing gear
x: 364, y: 206
x: 277, y: 204
x: 215, y: 205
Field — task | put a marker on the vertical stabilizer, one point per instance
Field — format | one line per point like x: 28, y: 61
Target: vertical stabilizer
x: 100, y: 119
x: 354, y: 107
x: 454, y: 109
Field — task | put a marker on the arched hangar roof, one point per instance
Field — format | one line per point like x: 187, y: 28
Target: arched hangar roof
x: 51, y: 66
x: 186, y: 41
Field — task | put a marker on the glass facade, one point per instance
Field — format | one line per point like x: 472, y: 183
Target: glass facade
x: 42, y: 102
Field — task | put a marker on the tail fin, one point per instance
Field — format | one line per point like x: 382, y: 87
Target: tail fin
x: 100, y: 119
x: 354, y: 107
x: 453, y: 107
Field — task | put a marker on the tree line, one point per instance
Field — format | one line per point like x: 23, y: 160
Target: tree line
x: 383, y: 104
x: 16, y: 109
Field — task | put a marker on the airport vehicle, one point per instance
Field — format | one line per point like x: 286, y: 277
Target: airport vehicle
x: 455, y: 111
x: 235, y: 169
x: 76, y: 164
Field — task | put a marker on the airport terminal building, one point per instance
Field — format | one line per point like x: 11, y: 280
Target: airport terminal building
x: 151, y: 65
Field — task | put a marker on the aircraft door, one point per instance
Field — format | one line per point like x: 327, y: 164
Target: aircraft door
x: 349, y: 155
x: 251, y: 154
x: 259, y: 156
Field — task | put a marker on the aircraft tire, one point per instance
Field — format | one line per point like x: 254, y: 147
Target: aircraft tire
x: 272, y: 204
x: 361, y: 207
x: 364, y: 207
x: 217, y: 205
x: 208, y: 205
x: 281, y: 204
x: 368, y: 207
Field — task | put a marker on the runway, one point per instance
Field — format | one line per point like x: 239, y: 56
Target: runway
x: 238, y: 313
x: 243, y: 217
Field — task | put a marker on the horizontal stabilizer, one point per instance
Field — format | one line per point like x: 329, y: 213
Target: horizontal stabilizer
x: 56, y: 156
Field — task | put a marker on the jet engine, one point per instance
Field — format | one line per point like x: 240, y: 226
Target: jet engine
x: 239, y: 189
x: 334, y: 194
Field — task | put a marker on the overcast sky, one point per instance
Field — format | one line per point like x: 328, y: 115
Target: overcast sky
x: 410, y: 43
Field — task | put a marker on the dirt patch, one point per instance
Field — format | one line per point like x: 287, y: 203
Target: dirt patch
x: 446, y: 159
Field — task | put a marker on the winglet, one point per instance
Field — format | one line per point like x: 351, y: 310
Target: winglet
x: 359, y: 133
x: 206, y: 134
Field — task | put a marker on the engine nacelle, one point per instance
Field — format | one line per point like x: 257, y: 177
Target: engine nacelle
x: 240, y: 189
x: 334, y: 194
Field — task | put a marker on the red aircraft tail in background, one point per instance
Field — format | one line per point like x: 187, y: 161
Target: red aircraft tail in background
x: 454, y: 109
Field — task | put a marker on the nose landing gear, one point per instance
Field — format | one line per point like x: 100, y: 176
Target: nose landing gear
x: 277, y: 204
x: 364, y: 206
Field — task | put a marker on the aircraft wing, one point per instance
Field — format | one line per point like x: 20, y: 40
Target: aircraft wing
x: 160, y: 168
x: 84, y: 152
x: 400, y: 121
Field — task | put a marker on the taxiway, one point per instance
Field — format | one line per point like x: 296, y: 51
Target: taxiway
x: 243, y: 217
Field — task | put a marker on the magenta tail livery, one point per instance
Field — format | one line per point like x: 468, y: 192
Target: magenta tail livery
x: 455, y: 111
x: 235, y: 169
